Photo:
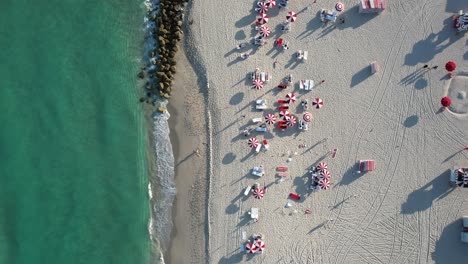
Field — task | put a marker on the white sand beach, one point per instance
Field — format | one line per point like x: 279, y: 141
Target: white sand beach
x: 403, y: 212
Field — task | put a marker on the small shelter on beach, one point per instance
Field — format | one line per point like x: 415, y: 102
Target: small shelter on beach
x: 372, y: 6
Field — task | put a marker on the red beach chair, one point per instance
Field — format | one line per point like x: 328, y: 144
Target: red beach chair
x: 284, y: 107
x: 281, y: 102
x: 282, y: 168
x: 366, y: 165
x: 295, y: 196
x: 282, y: 174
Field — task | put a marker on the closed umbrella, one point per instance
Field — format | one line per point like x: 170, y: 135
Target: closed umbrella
x: 291, y: 16
x: 253, y: 142
x: 450, y: 66
x: 317, y: 103
x: 270, y: 119
x: 446, y: 101
x: 307, y: 117
x: 339, y: 7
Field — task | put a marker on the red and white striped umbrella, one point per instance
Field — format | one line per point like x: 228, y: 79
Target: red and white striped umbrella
x: 322, y: 166
x: 250, y: 248
x: 253, y: 142
x: 262, y: 19
x: 291, y: 97
x: 262, y: 7
x: 325, y: 174
x: 291, y: 16
x: 264, y: 31
x: 258, y: 193
x: 270, y: 119
x: 270, y: 3
x: 324, y: 184
x: 260, y: 245
x: 339, y: 7
x: 291, y: 121
x: 317, y: 103
x: 284, y: 114
x: 257, y: 84
x: 307, y: 117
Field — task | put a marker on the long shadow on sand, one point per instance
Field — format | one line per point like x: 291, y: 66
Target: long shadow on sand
x: 426, y: 49
x: 449, y: 247
x: 350, y: 175
x: 360, y: 76
x: 421, y: 199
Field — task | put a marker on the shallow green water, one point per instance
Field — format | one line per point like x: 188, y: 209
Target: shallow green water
x: 72, y: 146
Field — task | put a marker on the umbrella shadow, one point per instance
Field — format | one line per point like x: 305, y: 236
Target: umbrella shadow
x: 421, y: 199
x: 425, y: 50
x: 229, y: 158
x: 301, y: 185
x: 311, y: 27
x: 411, y: 121
x: 246, y: 20
x: 237, y: 98
x: 360, y: 76
x: 350, y: 175
x: 293, y: 62
x: 448, y: 246
x: 353, y: 19
x: 234, y: 258
x: 232, y: 208
x: 420, y: 84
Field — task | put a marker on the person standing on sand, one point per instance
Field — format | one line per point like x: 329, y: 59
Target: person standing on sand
x: 425, y: 66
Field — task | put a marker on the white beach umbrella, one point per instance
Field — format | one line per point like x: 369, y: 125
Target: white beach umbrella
x: 324, y: 184
x: 250, y: 248
x: 270, y: 119
x: 264, y: 31
x: 291, y: 97
x: 284, y: 114
x: 253, y: 142
x: 291, y: 121
x: 262, y: 19
x: 317, y: 103
x: 339, y: 6
x: 270, y: 3
x: 262, y: 7
x: 291, y: 16
x: 307, y: 117
x: 257, y: 84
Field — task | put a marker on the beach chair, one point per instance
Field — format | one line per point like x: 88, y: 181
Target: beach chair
x: 268, y: 77
x: 257, y: 119
x: 284, y: 107
x: 257, y: 74
x: 247, y: 190
x: 295, y: 196
x: 258, y: 171
x: 305, y: 54
x: 282, y: 174
x: 281, y: 102
x: 289, y: 79
x: 254, y: 213
x: 301, y: 84
x: 282, y: 168
x: 282, y: 125
x: 261, y: 107
x: 374, y: 67
x: 257, y: 149
x: 261, y: 129
x: 299, y: 54
x: 262, y: 77
x: 261, y: 101
x: 366, y: 165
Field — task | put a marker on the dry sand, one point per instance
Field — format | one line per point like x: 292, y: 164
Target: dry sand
x: 403, y: 212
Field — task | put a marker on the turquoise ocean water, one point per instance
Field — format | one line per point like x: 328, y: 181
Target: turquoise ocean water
x: 73, y: 170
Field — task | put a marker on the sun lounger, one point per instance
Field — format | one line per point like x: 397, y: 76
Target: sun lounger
x: 257, y: 149
x: 247, y: 190
x: 262, y: 77
x: 284, y: 107
x: 281, y: 102
x: 294, y: 196
x: 282, y: 168
x: 299, y: 54
x: 301, y: 84
x: 366, y: 165
x: 261, y: 107
x: 374, y: 67
x: 268, y: 77
x: 261, y: 101
x: 261, y: 129
x: 254, y: 213
x: 305, y: 54
x: 282, y: 174
x: 258, y: 171
x: 257, y: 119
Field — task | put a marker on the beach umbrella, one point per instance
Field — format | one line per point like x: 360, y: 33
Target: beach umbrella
x: 270, y: 119
x: 260, y: 245
x: 264, y: 31
x: 324, y: 184
x: 253, y: 142
x: 262, y: 19
x: 284, y: 114
x: 317, y: 103
x: 291, y: 16
x: 251, y: 248
x: 325, y: 174
x: 291, y: 121
x: 446, y: 101
x: 291, y: 98
x: 339, y: 6
x: 270, y: 3
x: 258, y: 193
x: 307, y: 117
x: 450, y: 66
x: 262, y: 7
x: 322, y: 166
x: 257, y: 84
